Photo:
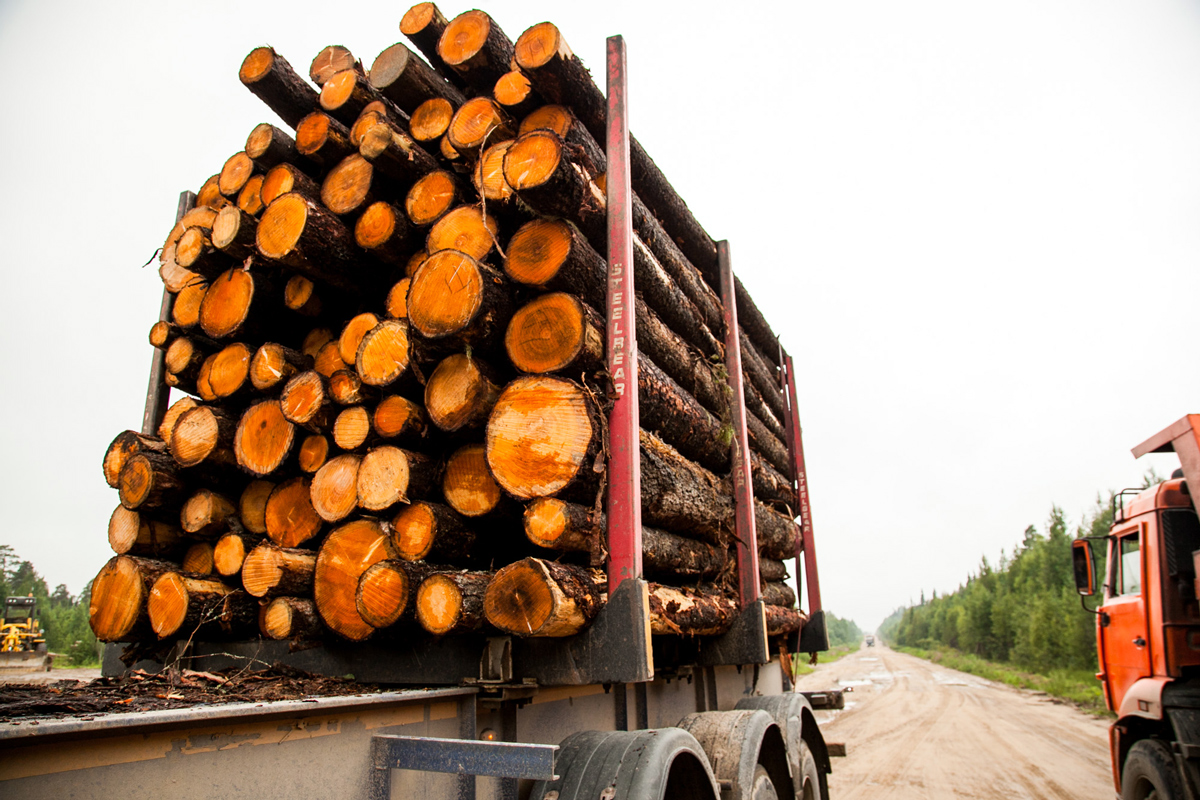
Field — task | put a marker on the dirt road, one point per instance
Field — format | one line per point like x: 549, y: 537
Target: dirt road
x: 916, y: 730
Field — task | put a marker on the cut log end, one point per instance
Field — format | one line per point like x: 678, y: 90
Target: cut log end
x: 281, y: 225
x: 417, y: 18
x: 397, y: 299
x: 458, y: 395
x: 264, y: 438
x: 464, y: 37
x: 538, y: 44
x: 383, y: 354
x: 345, y: 555
x: 376, y: 226
x: 533, y: 597
x: 476, y: 122
x: 351, y: 428
x: 118, y: 599
x: 537, y: 251
x: 353, y: 333
x: 512, y: 89
x: 551, y: 333
x: 334, y: 492
x: 465, y: 229
x: 546, y: 521
x: 445, y: 294
x: 383, y: 594
x: 431, y: 120
x: 468, y: 485
x: 431, y: 198
x: 413, y: 531
x: 289, y: 516
x: 532, y: 159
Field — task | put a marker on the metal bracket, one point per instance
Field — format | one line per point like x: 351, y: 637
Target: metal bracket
x: 744, y: 643
x: 814, y: 636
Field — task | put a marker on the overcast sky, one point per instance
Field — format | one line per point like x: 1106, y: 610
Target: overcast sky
x: 974, y: 224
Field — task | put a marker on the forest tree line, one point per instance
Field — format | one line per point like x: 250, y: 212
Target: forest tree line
x: 62, y: 615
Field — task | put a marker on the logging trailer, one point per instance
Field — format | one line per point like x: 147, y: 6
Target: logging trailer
x: 609, y: 712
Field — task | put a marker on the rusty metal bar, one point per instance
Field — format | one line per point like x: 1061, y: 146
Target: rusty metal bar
x: 157, y: 393
x: 805, y: 547
x: 624, y: 460
x: 743, y: 488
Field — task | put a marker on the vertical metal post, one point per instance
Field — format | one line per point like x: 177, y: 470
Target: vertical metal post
x: 806, y: 546
x: 157, y: 393
x: 624, y: 461
x: 467, y: 729
x: 743, y: 488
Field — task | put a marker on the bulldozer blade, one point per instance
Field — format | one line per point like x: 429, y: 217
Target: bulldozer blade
x: 25, y: 661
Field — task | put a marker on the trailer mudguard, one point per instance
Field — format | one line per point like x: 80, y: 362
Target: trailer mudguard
x: 637, y: 765
x: 794, y: 715
x: 736, y: 743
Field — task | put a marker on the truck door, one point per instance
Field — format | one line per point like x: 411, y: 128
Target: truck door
x: 1125, y: 639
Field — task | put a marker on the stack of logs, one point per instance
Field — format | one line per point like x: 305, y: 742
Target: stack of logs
x: 385, y: 340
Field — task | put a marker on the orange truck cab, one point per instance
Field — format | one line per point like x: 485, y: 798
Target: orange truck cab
x: 1148, y: 625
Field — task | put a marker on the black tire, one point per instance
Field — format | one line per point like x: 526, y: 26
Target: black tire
x: 762, y: 787
x: 808, y: 782
x: 1150, y: 773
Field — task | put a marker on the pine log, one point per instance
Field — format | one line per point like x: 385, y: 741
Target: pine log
x: 270, y: 571
x: 301, y: 295
x: 285, y: 179
x: 769, y: 485
x: 249, y: 199
x: 334, y: 490
x: 347, y: 94
x: 345, y: 555
x: 447, y: 151
x: 456, y: 301
x: 198, y: 559
x: 467, y: 229
x: 208, y: 515
x: 397, y: 299
x: 407, y: 81
x: 424, y: 24
x: 252, y: 506
x: 353, y: 333
x: 555, y: 332
x: 431, y: 120
x: 396, y: 156
x: 233, y: 236
x: 388, y: 475
x: 459, y: 395
x: 515, y: 94
x: 210, y: 195
x: 386, y: 591
x: 488, y: 176
x: 468, y: 485
x: 432, y: 197
x: 563, y: 122
x: 289, y: 516
x: 347, y: 389
x: 777, y: 533
x: 238, y: 169
x: 173, y: 276
x: 426, y: 530
x: 199, y: 216
x: 328, y: 360
x: 689, y: 612
x: 244, y: 304
x: 122, y: 448
x: 770, y: 569
x: 375, y: 113
x: 162, y: 333
x: 351, y: 185
x: 289, y: 618
x: 758, y: 407
x: 767, y: 445
x: 229, y: 553
x: 269, y: 76
x: 763, y: 375
x: 134, y: 534
x: 384, y: 232
x: 477, y: 123
x: 270, y: 146
x: 305, y: 400
x: 452, y: 602
x: 314, y: 340
x: 225, y: 375
x: 682, y: 497
x: 196, y: 253
x: 543, y: 436
x: 323, y: 141
x: 314, y: 452
x: 186, y: 311
x: 778, y: 594
x: 414, y: 263
x: 189, y: 606
x: 300, y: 234
x: 673, y: 414
x: 264, y: 438
x: 538, y: 598
x: 475, y: 47
x: 185, y: 359
x: 401, y: 419
x: 384, y: 353
x: 273, y: 364
x: 151, y: 480
x: 117, y: 609
x: 782, y: 621
x: 330, y: 61
x: 176, y: 410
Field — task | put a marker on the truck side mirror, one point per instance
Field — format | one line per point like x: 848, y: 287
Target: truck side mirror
x: 1085, y: 571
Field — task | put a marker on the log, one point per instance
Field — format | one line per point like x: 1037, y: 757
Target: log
x: 769, y: 485
x: 468, y: 485
x: 432, y: 197
x: 689, y: 612
x: 447, y: 151
x: 273, y: 365
x: 347, y: 389
x: 515, y: 94
x: 209, y: 195
x: 271, y: 571
x: 386, y: 590
x: 249, y: 199
x: 329, y: 360
x: 538, y: 598
x: 173, y: 276
x: 314, y: 340
x: 234, y: 234
x: 401, y: 419
x: 347, y: 94
x: 767, y: 445
x: 299, y: 233
x: 243, y: 304
x: 351, y: 428
x: 397, y: 299
x: 314, y: 452
x: 467, y: 229
x: 778, y: 594
x: 289, y: 516
x: 763, y: 375
x: 229, y: 553
x: 424, y: 24
x: 384, y: 353
x: 334, y: 490
x: 301, y: 295
x: 431, y: 120
x: 384, y: 232
x: 771, y: 569
x: 285, y: 179
x: 198, y: 560
x: 388, y: 475
x: 758, y: 408
x: 162, y: 333
x: 252, y: 506
x: 196, y: 253
x: 782, y: 621
x: 225, y: 375
x: 271, y: 78
x: 117, y: 609
x: 671, y: 413
x: 151, y: 480
x: 414, y: 263
x: 543, y: 437
x: 176, y: 410
x: 182, y: 605
x: 452, y: 602
x: 475, y: 47
x: 777, y: 533
x: 236, y: 170
x: 488, y: 176
x: 305, y: 400
x: 681, y: 496
x: 123, y: 447
x: 555, y: 333
x: 456, y: 301
x: 478, y: 122
x: 186, y: 311
x: 353, y: 333
x: 396, y: 156
x: 208, y: 515
x: 270, y: 146
x: 425, y: 530
x: 134, y: 534
x: 351, y: 185
x: 563, y: 122
x: 323, y: 141
x: 185, y: 358
x: 459, y: 395
x: 289, y: 618
x: 344, y: 556
x: 264, y: 438
x: 330, y: 61
x: 408, y: 82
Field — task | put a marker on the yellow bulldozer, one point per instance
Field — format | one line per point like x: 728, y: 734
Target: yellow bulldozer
x: 22, y: 640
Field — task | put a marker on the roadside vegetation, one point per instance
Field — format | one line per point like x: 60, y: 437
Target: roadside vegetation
x: 844, y: 637
x: 63, y: 616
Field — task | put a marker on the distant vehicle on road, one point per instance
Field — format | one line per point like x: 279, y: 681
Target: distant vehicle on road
x: 870, y: 641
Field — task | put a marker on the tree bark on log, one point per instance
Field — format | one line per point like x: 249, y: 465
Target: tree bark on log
x: 770, y: 569
x: 538, y: 598
x: 117, y: 609
x: 271, y: 78
x: 287, y: 178
x: 151, y: 480
x: 763, y: 375
x: 778, y: 594
x: 185, y: 605
x: 425, y: 530
x: 204, y: 437
x: 346, y: 95
x: 292, y: 618
x: 756, y: 406
x: 384, y: 232
x: 782, y: 621
x: 683, y: 497
x: 270, y: 146
x: 234, y: 234
x: 406, y: 80
x: 396, y: 156
x: 134, y: 534
x: 459, y: 394
x: 769, y: 485
x: 452, y: 602
x: 323, y: 141
x: 766, y: 444
x: 196, y: 253
x: 424, y: 25
x: 270, y: 571
x: 387, y: 590
x: 689, y: 612
x: 299, y: 233
x: 289, y: 517
x: 674, y: 415
x: 126, y: 445
x: 273, y: 365
x: 475, y: 47
x: 345, y: 555
x: 777, y: 533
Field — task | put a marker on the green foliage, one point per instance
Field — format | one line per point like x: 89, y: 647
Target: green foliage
x: 63, y: 617
x: 842, y: 631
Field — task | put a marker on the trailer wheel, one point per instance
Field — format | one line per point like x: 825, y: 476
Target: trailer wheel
x: 808, y: 781
x: 742, y: 745
x: 1150, y: 773
x: 763, y: 788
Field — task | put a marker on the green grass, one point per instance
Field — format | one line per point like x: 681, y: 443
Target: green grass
x: 1076, y: 686
x: 800, y: 664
